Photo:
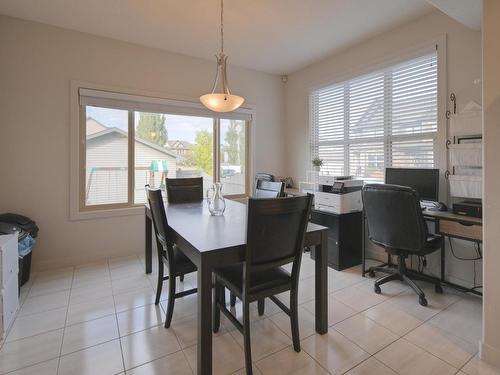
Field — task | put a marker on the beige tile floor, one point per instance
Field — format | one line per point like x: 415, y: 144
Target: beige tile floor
x: 100, y: 319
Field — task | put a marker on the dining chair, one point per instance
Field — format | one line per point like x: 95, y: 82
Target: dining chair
x: 184, y: 190
x: 269, y: 189
x: 275, y: 237
x: 264, y: 189
x: 169, y: 254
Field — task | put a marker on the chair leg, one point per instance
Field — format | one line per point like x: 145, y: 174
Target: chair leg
x: 159, y: 285
x: 261, y: 306
x: 388, y: 278
x: 246, y: 337
x: 414, y: 286
x: 170, y: 300
x: 233, y: 299
x: 181, y: 278
x: 386, y: 270
x: 415, y: 276
x: 215, y: 309
x: 294, y: 319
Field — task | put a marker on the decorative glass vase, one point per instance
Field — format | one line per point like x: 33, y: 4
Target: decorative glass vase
x: 215, y: 200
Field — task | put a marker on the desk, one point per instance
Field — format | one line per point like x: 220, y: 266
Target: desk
x: 448, y: 224
x: 217, y: 241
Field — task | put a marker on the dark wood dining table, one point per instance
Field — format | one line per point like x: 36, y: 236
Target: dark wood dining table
x: 217, y: 241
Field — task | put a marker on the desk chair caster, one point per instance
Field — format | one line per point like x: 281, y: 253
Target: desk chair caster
x: 422, y: 301
x: 377, y: 289
x: 371, y: 273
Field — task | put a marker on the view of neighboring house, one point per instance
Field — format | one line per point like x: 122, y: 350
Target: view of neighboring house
x: 180, y: 148
x: 106, y: 165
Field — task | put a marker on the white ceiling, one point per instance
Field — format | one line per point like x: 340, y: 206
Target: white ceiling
x: 467, y: 12
x: 275, y: 36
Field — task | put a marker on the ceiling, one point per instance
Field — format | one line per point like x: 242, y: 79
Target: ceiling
x: 275, y: 36
x: 467, y: 12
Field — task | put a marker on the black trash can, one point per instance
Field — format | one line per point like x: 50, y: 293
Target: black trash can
x: 27, y: 232
x: 25, y: 251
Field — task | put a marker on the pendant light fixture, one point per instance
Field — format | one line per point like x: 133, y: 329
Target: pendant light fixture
x: 222, y: 101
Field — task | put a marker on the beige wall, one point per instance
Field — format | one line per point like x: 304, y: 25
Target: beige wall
x: 37, y: 63
x: 490, y: 348
x: 463, y: 66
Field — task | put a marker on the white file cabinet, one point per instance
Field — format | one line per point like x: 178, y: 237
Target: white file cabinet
x: 9, y: 297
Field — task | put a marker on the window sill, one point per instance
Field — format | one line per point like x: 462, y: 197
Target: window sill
x: 101, y: 214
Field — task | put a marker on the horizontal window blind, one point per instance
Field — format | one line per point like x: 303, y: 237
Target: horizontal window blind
x: 139, y: 103
x: 382, y: 119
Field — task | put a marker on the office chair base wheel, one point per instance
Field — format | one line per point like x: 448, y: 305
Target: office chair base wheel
x: 377, y: 289
x: 422, y: 301
x: 371, y: 273
x: 438, y: 289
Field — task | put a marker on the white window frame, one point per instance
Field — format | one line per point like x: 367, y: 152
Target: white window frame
x: 439, y: 43
x: 143, y: 101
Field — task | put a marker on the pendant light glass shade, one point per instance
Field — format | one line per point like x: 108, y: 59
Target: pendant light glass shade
x: 222, y: 100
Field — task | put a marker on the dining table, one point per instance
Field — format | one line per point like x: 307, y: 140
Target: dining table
x: 217, y: 241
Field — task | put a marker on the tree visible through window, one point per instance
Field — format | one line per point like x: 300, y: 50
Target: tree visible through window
x: 187, y: 146
x: 233, y: 156
x: 151, y: 127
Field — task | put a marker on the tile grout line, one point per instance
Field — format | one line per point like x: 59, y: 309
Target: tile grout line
x: 116, y: 320
x: 362, y: 312
x: 426, y: 321
x: 330, y: 326
x: 399, y: 337
x: 33, y: 364
x: 65, y: 321
x: 142, y: 364
x: 424, y: 349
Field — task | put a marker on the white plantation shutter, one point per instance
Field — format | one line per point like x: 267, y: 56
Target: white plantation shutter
x: 383, y: 119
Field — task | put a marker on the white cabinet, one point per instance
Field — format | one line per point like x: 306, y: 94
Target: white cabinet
x: 9, y: 297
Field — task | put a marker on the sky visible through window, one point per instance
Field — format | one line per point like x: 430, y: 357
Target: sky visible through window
x: 179, y: 127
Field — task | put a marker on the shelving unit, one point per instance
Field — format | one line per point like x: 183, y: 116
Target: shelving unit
x: 465, y: 153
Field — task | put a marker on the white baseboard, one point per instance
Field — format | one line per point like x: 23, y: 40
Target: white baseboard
x: 489, y: 354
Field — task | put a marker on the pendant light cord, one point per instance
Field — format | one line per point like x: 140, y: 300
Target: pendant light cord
x: 222, y: 26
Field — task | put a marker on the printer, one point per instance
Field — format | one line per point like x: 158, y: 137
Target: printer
x: 338, y: 194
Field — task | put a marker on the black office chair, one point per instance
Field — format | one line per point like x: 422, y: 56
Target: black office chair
x: 267, y: 189
x: 396, y: 223
x: 275, y: 237
x: 169, y: 255
x: 262, y: 177
x: 184, y: 190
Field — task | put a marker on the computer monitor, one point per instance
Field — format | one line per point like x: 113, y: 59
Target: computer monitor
x: 424, y: 181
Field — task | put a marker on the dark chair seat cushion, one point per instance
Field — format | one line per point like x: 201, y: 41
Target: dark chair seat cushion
x: 182, y: 263
x: 432, y: 244
x: 232, y: 278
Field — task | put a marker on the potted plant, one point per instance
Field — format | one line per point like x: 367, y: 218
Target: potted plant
x: 317, y: 163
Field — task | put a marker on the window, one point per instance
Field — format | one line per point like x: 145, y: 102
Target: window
x: 127, y: 142
x: 233, y: 134
x: 187, y: 150
x: 106, y: 156
x: 383, y: 119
